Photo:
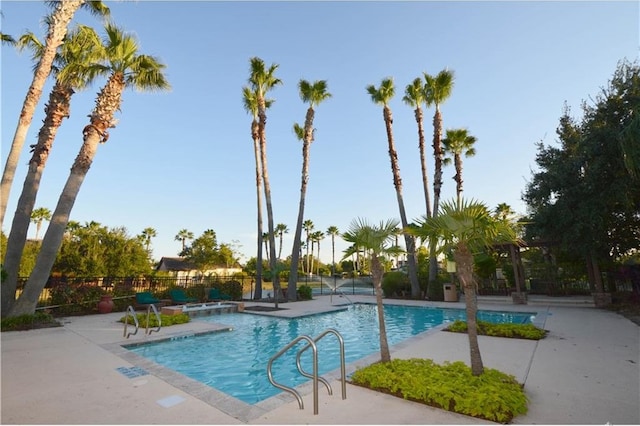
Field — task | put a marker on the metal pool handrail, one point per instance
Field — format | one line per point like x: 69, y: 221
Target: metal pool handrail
x: 155, y: 311
x: 343, y: 375
x: 126, y: 321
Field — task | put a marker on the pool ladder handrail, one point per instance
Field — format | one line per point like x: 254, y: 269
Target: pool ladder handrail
x: 314, y: 376
x: 148, y: 330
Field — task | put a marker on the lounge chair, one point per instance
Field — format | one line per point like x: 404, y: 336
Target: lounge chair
x: 215, y: 295
x: 146, y: 298
x: 178, y: 295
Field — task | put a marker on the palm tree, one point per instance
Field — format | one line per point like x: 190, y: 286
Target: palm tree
x: 377, y: 240
x: 262, y: 80
x: 382, y: 96
x: 308, y: 227
x: 183, y: 235
x: 333, y: 231
x: 38, y: 216
x: 316, y: 237
x: 71, y: 67
x: 457, y: 143
x: 466, y: 228
x: 437, y: 90
x: 127, y: 69
x: 58, y: 22
x: 146, y: 236
x: 281, y: 229
x: 313, y: 94
x: 265, y: 240
x: 250, y: 100
x: 414, y: 96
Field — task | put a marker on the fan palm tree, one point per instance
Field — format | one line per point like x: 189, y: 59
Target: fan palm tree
x: 316, y: 237
x: 146, y: 236
x: 457, y: 143
x: 58, y: 22
x: 377, y: 240
x: 265, y: 240
x: 381, y: 96
x: 437, y: 90
x: 313, y: 94
x: 281, y: 229
x: 38, y: 216
x: 415, y: 96
x: 71, y: 67
x: 466, y: 228
x: 127, y: 68
x: 263, y: 80
x: 183, y: 235
x: 333, y: 231
x: 308, y: 227
x: 250, y: 100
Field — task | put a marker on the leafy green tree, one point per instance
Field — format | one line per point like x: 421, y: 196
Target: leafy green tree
x: 71, y: 69
x: 415, y: 96
x: 377, y: 240
x: 57, y: 22
x: 381, y: 96
x: 457, y: 143
x: 203, y: 252
x: 466, y: 228
x: 585, y: 196
x: 438, y: 88
x: 127, y: 68
x: 313, y: 94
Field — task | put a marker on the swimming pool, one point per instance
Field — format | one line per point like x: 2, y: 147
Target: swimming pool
x: 234, y: 362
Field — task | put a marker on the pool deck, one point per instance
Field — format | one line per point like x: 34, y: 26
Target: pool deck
x: 586, y: 371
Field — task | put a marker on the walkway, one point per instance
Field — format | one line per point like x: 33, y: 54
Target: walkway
x: 586, y: 371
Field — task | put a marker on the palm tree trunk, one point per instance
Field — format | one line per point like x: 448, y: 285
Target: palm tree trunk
x: 464, y: 266
x: 437, y: 186
x: 423, y: 160
x: 376, y: 273
x: 412, y: 266
x: 56, y: 110
x: 458, y: 178
x: 255, y: 135
x: 57, y: 31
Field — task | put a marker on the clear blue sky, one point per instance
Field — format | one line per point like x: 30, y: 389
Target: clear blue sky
x: 184, y: 159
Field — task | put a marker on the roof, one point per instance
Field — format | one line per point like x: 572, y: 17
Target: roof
x: 175, y: 264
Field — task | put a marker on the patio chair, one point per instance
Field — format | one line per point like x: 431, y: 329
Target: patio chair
x: 145, y: 298
x: 178, y: 295
x: 215, y: 295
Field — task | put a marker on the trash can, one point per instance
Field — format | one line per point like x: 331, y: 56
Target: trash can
x: 450, y: 292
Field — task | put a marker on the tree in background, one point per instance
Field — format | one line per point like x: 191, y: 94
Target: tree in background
x: 308, y: 227
x: 146, y: 236
x: 586, y: 194
x: 381, y: 96
x: 203, y: 252
x: 377, y: 241
x: 333, y: 232
x: 281, y: 229
x: 183, y: 236
x: 127, y: 68
x: 57, y: 22
x: 437, y: 90
x: 38, y: 216
x: 466, y: 228
x: 457, y: 143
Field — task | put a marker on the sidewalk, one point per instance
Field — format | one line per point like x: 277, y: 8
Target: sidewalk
x: 586, y: 371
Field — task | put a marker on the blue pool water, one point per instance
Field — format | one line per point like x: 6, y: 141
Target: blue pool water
x: 235, y: 362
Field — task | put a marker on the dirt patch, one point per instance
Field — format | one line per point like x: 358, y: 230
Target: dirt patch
x: 263, y: 308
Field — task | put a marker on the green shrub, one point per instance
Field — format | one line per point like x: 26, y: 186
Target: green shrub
x: 395, y: 283
x: 493, y: 395
x: 305, y: 292
x: 167, y: 320
x: 75, y: 298
x: 28, y: 322
x: 518, y: 331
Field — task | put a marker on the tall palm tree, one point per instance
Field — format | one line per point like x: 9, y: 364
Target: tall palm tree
x: 457, y: 143
x: 381, y: 96
x: 333, y: 231
x: 250, y: 100
x: 38, y: 216
x: 313, y: 94
x: 377, y: 240
x: 315, y: 241
x: 265, y: 240
x: 262, y: 80
x: 415, y: 96
x: 281, y: 229
x: 503, y: 211
x: 183, y: 235
x: 308, y: 227
x: 146, y: 236
x: 437, y: 90
x: 71, y: 68
x: 466, y: 228
x: 58, y: 22
x: 127, y: 68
